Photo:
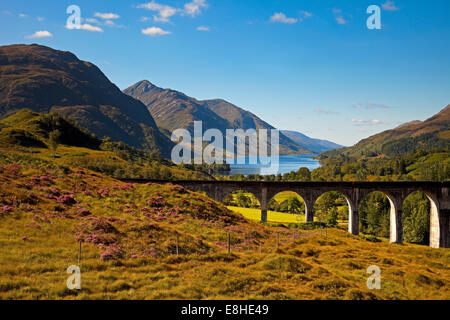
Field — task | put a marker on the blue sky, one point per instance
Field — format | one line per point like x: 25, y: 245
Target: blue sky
x: 310, y: 66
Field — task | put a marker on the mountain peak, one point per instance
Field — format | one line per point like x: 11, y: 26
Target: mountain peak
x: 141, y: 87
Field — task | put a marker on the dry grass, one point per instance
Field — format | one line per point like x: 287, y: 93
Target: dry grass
x: 38, y: 237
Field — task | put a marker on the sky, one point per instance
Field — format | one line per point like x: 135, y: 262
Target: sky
x: 309, y: 66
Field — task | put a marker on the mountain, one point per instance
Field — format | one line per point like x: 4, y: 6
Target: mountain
x: 316, y: 145
x: 433, y: 133
x: 172, y: 110
x: 409, y: 123
x: 46, y: 80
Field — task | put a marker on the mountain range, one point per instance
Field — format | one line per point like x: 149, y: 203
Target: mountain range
x: 173, y: 109
x: 316, y: 145
x: 46, y: 80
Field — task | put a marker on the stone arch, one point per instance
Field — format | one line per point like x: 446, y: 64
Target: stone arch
x: 272, y: 195
x: 392, y: 212
x: 255, y: 198
x: 439, y: 222
x: 353, y: 222
x: 395, y: 212
x: 429, y: 203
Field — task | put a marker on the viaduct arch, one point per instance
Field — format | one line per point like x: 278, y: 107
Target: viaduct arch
x: 354, y: 192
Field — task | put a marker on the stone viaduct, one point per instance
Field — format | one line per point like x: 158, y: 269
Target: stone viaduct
x: 354, y: 192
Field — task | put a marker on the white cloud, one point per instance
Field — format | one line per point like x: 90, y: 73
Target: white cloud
x: 305, y: 14
x: 326, y: 111
x: 154, y: 31
x: 40, y: 19
x: 92, y: 20
x: 203, y: 28
x: 389, y: 6
x: 195, y: 7
x: 341, y: 20
x: 23, y: 15
x: 165, y: 12
x: 369, y: 122
x: 281, y: 18
x: 338, y: 16
x: 107, y: 16
x: 90, y: 28
x: 371, y: 105
x: 40, y: 34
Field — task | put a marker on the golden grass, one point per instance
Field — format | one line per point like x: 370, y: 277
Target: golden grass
x: 317, y: 265
x: 272, y: 216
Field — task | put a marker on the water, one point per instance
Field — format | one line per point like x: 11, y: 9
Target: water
x: 286, y: 165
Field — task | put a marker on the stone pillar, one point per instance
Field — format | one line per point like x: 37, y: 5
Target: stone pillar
x: 353, y: 220
x: 309, y: 211
x: 264, y: 204
x: 439, y: 227
x: 396, y: 223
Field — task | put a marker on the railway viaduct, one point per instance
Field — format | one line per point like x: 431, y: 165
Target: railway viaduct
x: 354, y: 192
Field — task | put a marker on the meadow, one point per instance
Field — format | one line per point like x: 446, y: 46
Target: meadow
x: 159, y: 241
x: 129, y: 235
x: 272, y: 216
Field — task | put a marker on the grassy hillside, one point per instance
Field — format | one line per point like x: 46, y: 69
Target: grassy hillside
x: 433, y: 133
x: 44, y: 80
x: 414, y: 151
x: 129, y: 233
x: 25, y: 135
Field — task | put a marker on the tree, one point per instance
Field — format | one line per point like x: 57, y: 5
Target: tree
x: 295, y: 205
x: 303, y: 174
x: 332, y: 217
x: 53, y: 140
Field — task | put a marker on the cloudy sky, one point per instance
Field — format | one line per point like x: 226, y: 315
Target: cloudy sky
x: 310, y: 66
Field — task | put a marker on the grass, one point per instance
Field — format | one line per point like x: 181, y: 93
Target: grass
x: 272, y: 216
x: 130, y: 235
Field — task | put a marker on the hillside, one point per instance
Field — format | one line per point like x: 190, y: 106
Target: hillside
x: 129, y: 235
x: 433, y: 133
x: 316, y: 145
x: 25, y: 136
x: 172, y: 110
x: 46, y: 80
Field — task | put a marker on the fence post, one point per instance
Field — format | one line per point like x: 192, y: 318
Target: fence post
x: 260, y: 247
x: 79, y: 253
x: 229, y: 243
x: 278, y: 240
x: 293, y: 237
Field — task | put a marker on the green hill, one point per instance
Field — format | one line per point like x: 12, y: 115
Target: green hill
x: 26, y: 134
x: 45, y: 80
x: 433, y: 133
